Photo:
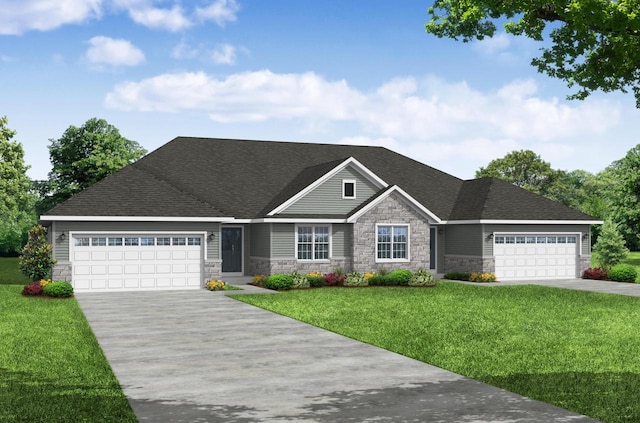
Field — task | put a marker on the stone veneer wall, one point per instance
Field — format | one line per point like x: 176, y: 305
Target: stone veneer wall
x: 469, y: 264
x: 212, y: 269
x: 61, y: 271
x: 391, y: 210
x: 266, y: 266
x: 585, y: 263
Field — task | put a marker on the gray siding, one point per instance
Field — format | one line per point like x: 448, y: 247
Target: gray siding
x: 283, y: 240
x: 440, y: 245
x: 463, y: 240
x: 341, y: 240
x: 547, y: 229
x: 260, y: 240
x: 327, y: 198
x: 61, y: 248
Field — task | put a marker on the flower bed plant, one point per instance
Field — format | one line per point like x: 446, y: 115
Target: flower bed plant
x: 218, y: 285
x: 45, y: 287
x: 482, y: 277
x: 597, y: 273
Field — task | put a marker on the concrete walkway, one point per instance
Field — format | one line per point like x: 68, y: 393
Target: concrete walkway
x: 198, y: 356
x: 605, y: 287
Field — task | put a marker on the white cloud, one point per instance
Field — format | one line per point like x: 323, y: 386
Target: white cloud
x: 219, y: 11
x: 172, y: 19
x: 224, y: 54
x: 430, y: 119
x: 113, y: 52
x: 493, y: 45
x: 183, y: 50
x: 18, y: 17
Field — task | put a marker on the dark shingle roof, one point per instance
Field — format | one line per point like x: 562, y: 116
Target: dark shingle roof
x: 195, y: 177
x: 493, y: 199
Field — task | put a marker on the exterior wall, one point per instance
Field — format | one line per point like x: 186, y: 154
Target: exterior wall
x: 391, y: 210
x: 341, y: 240
x: 440, y: 246
x: 283, y: 240
x: 469, y: 264
x: 327, y: 198
x: 260, y: 240
x: 264, y: 266
x: 61, y: 248
x: 212, y: 269
x: 463, y: 240
x: 62, y: 271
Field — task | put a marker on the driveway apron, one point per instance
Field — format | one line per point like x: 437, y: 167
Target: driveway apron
x: 198, y: 356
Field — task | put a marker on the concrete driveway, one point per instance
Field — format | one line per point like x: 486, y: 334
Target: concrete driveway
x: 198, y: 356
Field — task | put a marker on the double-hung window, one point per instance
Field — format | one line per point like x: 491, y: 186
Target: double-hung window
x: 312, y: 242
x: 392, y: 243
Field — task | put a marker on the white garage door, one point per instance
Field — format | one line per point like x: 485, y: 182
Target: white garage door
x: 535, y: 256
x: 136, y: 262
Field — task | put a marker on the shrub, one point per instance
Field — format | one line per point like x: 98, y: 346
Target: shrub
x: 36, y: 258
x: 215, y: 285
x: 623, y: 273
x: 422, y: 277
x: 482, y: 277
x: 299, y: 280
x: 610, y: 247
x: 369, y: 275
x: 457, y: 276
x: 400, y: 277
x: 334, y: 279
x: 378, y: 280
x: 33, y: 288
x: 58, y: 289
x: 279, y: 281
x: 316, y: 279
x: 356, y: 279
x: 259, y: 280
x: 595, y: 273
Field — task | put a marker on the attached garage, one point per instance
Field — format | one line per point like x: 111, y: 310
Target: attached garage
x: 536, y: 256
x: 124, y: 261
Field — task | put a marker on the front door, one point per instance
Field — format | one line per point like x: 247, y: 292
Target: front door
x: 232, y: 250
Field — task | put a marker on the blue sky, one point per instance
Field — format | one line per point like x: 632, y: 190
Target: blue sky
x: 355, y: 72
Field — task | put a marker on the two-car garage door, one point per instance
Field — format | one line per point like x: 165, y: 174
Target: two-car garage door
x: 535, y: 256
x: 136, y: 262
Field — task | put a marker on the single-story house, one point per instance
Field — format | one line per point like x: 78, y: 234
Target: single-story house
x: 199, y: 208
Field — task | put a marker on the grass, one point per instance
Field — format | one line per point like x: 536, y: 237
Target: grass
x: 51, y: 366
x: 9, y: 273
x: 577, y: 350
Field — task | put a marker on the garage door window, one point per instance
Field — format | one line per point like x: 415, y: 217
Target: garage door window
x: 163, y: 241
x: 193, y: 241
x: 536, y: 240
x: 115, y: 242
x: 179, y: 241
x: 147, y: 241
x: 131, y: 241
x: 81, y: 242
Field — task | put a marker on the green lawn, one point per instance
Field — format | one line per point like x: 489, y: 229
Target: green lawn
x: 51, y: 366
x: 577, y: 350
x: 9, y: 273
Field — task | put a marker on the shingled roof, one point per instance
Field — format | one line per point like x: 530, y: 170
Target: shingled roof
x: 197, y: 177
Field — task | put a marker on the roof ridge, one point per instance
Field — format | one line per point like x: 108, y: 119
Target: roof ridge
x: 164, y: 181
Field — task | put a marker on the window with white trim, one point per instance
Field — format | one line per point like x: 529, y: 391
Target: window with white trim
x: 312, y: 242
x: 392, y: 242
x: 348, y: 189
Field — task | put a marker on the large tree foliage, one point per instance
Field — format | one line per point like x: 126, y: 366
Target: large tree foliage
x: 626, y: 207
x: 83, y: 156
x: 595, y: 44
x: 610, y: 247
x: 16, y: 198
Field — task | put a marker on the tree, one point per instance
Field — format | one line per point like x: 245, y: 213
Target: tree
x: 37, y: 257
x: 85, y: 155
x: 626, y: 206
x: 16, y: 198
x: 527, y: 170
x: 610, y: 247
x: 595, y: 44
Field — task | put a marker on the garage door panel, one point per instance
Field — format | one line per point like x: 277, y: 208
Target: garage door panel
x: 111, y: 264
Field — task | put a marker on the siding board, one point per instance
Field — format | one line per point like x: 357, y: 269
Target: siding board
x: 283, y: 240
x: 463, y: 240
x: 260, y: 240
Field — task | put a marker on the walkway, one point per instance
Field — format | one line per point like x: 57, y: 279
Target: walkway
x: 606, y: 287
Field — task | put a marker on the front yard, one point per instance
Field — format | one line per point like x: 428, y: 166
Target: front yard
x: 51, y: 366
x: 577, y: 350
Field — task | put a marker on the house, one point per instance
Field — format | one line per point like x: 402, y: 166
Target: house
x: 201, y: 208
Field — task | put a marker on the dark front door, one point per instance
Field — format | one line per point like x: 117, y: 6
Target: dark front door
x: 232, y: 250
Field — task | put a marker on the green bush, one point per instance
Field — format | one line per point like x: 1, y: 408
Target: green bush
x: 279, y: 281
x: 299, y: 280
x: 316, y: 281
x: 355, y: 279
x: 380, y: 280
x: 457, y: 276
x: 400, y: 277
x: 623, y: 273
x: 37, y: 258
x: 422, y: 277
x: 58, y: 289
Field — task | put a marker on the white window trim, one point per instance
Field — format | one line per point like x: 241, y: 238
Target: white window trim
x: 394, y: 260
x: 313, y: 225
x: 349, y: 181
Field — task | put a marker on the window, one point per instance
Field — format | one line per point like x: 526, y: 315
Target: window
x: 115, y: 242
x: 163, y: 241
x: 81, y: 242
x: 313, y: 243
x: 99, y: 242
x: 147, y: 241
x: 131, y: 241
x: 531, y: 240
x: 193, y: 241
x: 551, y: 240
x: 520, y: 240
x: 179, y: 241
x: 392, y: 243
x: 511, y: 239
x: 348, y: 188
x: 499, y: 240
x: 571, y: 240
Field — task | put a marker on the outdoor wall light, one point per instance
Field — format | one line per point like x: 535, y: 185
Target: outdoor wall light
x: 62, y: 237
x: 211, y: 236
x: 490, y: 237
x: 585, y: 237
